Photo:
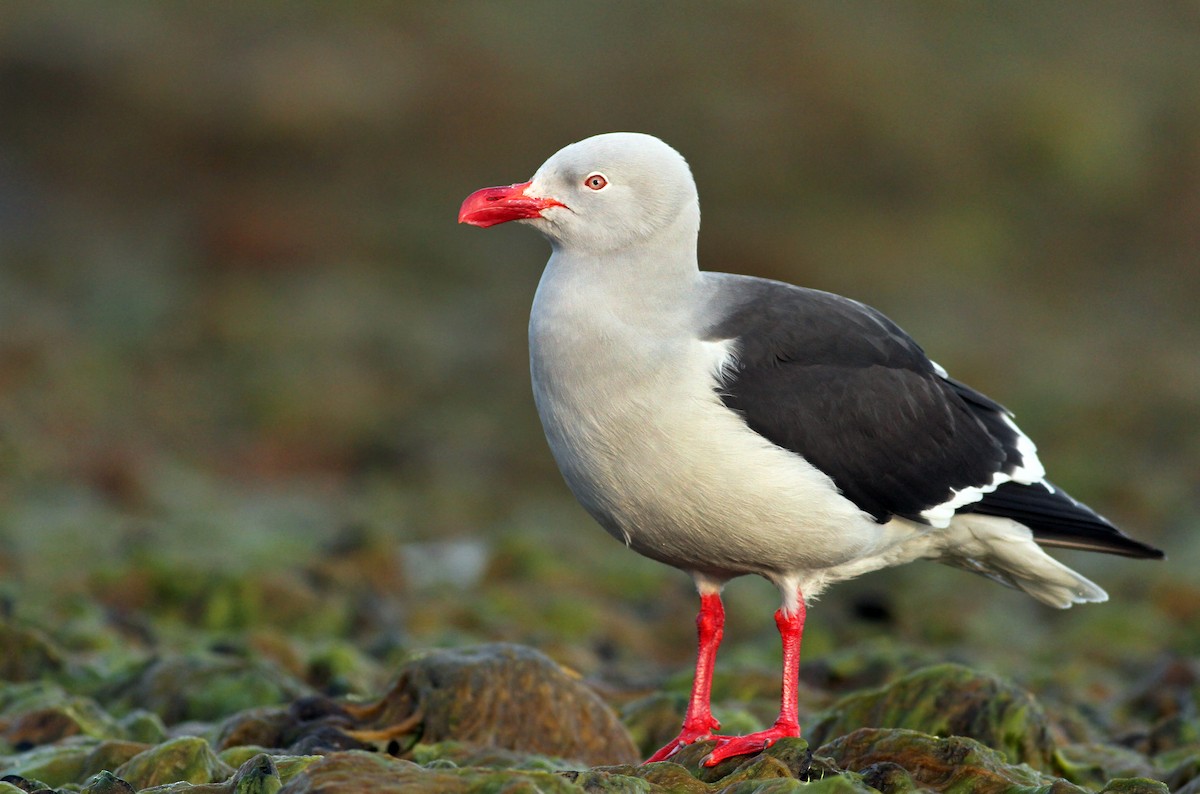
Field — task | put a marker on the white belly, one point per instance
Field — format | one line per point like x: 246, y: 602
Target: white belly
x: 647, y: 446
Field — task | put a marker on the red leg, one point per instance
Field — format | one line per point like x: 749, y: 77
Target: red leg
x: 699, y: 722
x: 791, y: 629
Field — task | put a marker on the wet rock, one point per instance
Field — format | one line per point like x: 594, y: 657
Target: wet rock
x: 107, y: 783
x: 1092, y: 765
x: 288, y: 766
x: 866, y: 664
x: 43, y: 726
x: 791, y: 757
x: 188, y: 759
x: 663, y: 776
x: 297, y: 730
x: 17, y: 784
x: 1135, y: 785
x: 654, y: 720
x: 357, y: 772
x: 889, y: 777
x: 1185, y: 772
x: 140, y: 725
x: 70, y: 716
x: 787, y: 766
x: 261, y: 727
x: 947, y: 700
x: 258, y: 775
x: 846, y: 784
x: 504, y: 696
x: 952, y: 763
x: 56, y: 764
x: 757, y: 770
x: 456, y: 754
x: 205, y: 687
x: 29, y: 655
x: 111, y: 754
x: 1170, y: 689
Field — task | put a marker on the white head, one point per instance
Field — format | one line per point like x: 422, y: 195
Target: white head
x: 603, y: 193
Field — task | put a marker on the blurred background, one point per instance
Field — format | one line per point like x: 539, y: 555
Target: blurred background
x: 241, y: 334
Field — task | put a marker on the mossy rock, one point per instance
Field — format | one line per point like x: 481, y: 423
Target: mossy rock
x: 358, y: 772
x: 204, y: 687
x: 897, y: 760
x: 1093, y: 765
x: 500, y: 696
x: 187, y: 758
x: 29, y: 655
x: 53, y: 764
x: 53, y: 722
x: 1135, y: 785
x: 947, y: 700
x: 107, y: 783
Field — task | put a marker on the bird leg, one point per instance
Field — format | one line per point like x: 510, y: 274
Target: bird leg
x: 791, y: 628
x: 699, y: 722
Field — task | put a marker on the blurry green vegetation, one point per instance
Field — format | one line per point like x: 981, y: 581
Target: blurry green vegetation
x: 238, y: 323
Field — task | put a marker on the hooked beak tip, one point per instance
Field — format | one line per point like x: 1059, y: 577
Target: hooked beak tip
x: 494, y: 205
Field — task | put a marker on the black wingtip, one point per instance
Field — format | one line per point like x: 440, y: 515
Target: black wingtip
x: 1121, y: 544
x: 1058, y: 520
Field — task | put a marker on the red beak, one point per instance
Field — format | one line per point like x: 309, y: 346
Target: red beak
x: 494, y: 205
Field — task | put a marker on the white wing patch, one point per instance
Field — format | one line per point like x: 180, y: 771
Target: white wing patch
x: 1031, y: 469
x: 722, y: 359
x: 1028, y: 472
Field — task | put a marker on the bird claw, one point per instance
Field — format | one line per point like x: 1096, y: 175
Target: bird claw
x: 686, y: 736
x: 731, y: 746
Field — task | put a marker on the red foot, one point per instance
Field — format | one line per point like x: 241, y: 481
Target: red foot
x: 696, y: 733
x: 730, y: 746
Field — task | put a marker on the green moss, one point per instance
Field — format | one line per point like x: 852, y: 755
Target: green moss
x: 188, y: 758
x: 947, y: 700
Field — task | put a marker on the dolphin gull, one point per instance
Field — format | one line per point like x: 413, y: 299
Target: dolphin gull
x: 729, y: 425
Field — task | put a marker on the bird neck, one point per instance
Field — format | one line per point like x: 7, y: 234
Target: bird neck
x: 655, y: 276
x: 652, y: 266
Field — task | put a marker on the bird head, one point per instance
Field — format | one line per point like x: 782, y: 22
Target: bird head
x: 600, y: 194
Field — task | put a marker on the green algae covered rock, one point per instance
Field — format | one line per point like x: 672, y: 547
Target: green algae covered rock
x: 492, y: 705
x: 258, y: 775
x: 10, y: 786
x: 204, y: 687
x: 450, y: 753
x: 42, y: 713
x: 70, y: 761
x: 187, y: 758
x: 358, y: 772
x: 663, y: 776
x: 29, y: 655
x: 840, y: 784
x: 71, y: 716
x: 287, y: 766
x: 506, y: 696
x: 789, y: 757
x: 947, y: 700
x: 786, y: 766
x: 1135, y: 785
x: 107, y: 783
x: 897, y: 760
x: 1092, y: 765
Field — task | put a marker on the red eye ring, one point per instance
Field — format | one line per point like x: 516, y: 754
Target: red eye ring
x: 595, y: 181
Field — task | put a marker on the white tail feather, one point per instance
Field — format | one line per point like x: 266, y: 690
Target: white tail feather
x: 1004, y: 550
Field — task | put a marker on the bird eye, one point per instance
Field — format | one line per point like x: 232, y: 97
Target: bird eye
x: 595, y: 181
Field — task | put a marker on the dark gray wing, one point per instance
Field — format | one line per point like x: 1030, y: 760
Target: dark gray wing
x: 842, y: 385
x: 839, y: 383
